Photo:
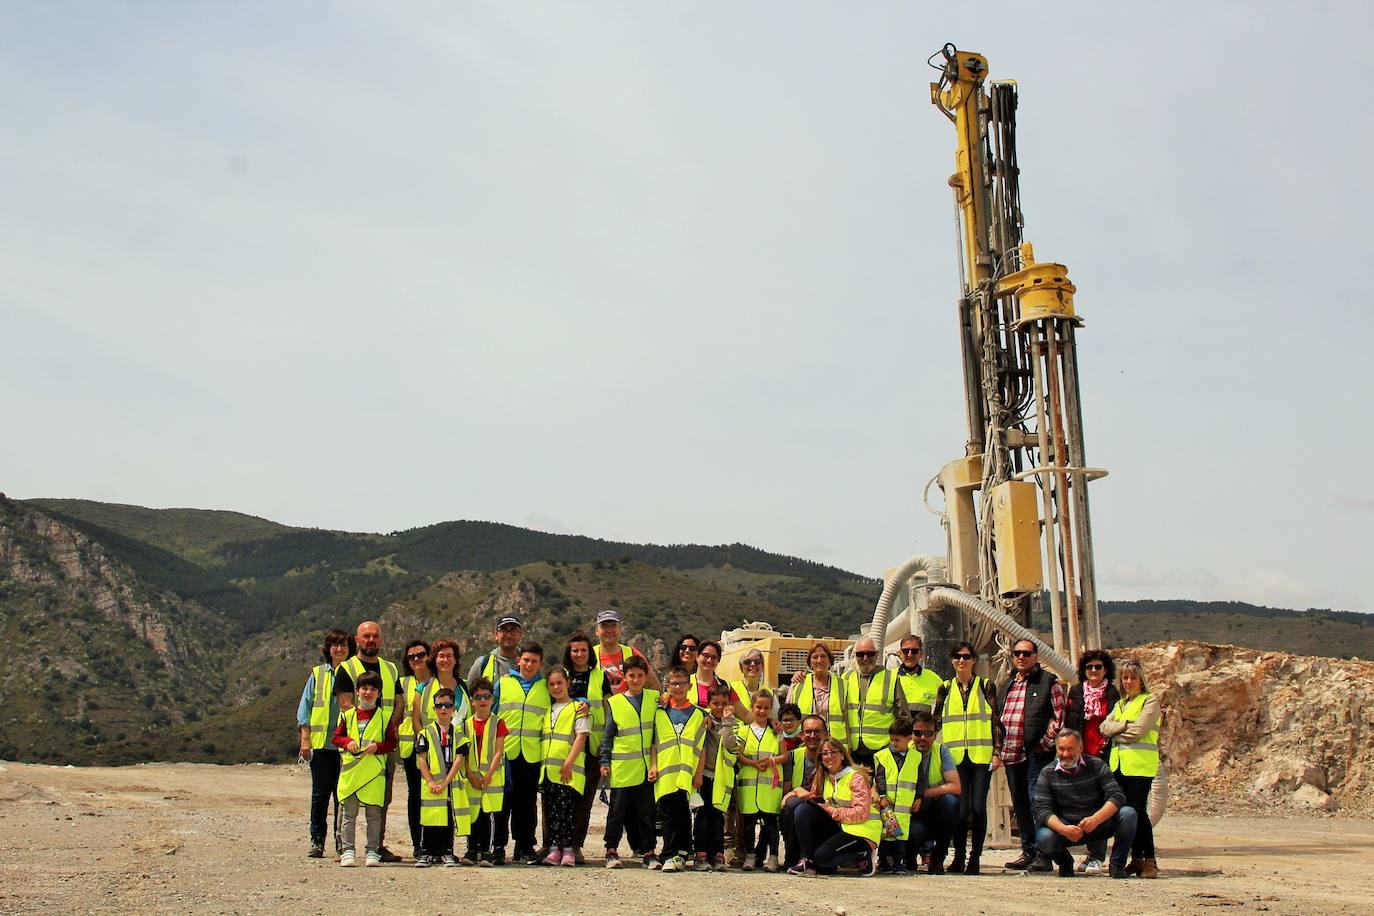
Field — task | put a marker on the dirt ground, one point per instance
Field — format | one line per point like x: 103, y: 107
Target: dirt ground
x: 211, y: 839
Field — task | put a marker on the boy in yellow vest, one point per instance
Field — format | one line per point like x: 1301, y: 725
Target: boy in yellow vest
x: 717, y: 779
x: 441, y: 756
x: 676, y: 767
x: 625, y: 765
x: 522, y: 702
x: 896, y: 773
x: 486, y: 735
x: 365, y: 737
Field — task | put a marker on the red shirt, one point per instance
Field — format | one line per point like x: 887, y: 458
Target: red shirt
x: 341, y: 737
x: 479, y: 727
x: 610, y: 662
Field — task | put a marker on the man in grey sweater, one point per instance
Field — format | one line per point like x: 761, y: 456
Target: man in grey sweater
x: 1078, y: 801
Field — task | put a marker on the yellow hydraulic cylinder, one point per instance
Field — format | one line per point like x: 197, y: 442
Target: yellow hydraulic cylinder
x: 1043, y: 290
x: 959, y: 479
x: 1016, y: 531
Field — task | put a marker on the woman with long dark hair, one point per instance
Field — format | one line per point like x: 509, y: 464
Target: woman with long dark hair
x: 965, y: 714
x: 317, y: 716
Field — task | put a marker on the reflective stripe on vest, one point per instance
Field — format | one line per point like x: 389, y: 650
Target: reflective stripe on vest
x: 558, y: 741
x: 387, y: 671
x: 484, y: 751
x: 870, y: 716
x: 363, y: 774
x: 523, y: 712
x: 919, y: 689
x: 321, y: 725
x: 967, y: 732
x: 935, y: 776
x: 1139, y: 758
x: 900, y: 782
x: 723, y: 783
x: 836, y: 725
x: 758, y: 791
x: 596, y: 699
x: 634, y: 731
x: 838, y: 791
x: 677, y: 754
x: 405, y: 732
x: 436, y: 810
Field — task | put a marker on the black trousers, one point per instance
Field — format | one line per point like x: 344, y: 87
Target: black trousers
x: 708, y: 834
x: 935, y: 821
x: 1137, y: 789
x: 974, y: 778
x: 632, y: 813
x: 767, y: 841
x: 324, y: 784
x: 479, y: 839
x: 521, y: 811
x: 582, y: 817
x: 1021, y: 778
x: 437, y: 840
x: 413, y: 800
x: 677, y: 824
x: 821, y: 841
x: 787, y: 826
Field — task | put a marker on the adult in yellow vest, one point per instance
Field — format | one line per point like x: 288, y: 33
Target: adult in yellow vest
x: 873, y: 701
x: 587, y: 682
x: 497, y: 664
x: 677, y: 766
x: 522, y: 702
x: 441, y: 756
x: 317, y: 716
x: 758, y: 785
x: 717, y: 781
x: 1133, y: 727
x: 967, y: 721
x: 611, y: 653
x: 919, y: 683
x: 566, y: 728
x: 486, y: 736
x: 368, y: 640
x: 365, y: 738
x: 417, y: 689
x: 704, y: 681
x: 839, y: 823
x: 625, y: 765
x: 897, y: 779
x: 818, y: 691
x: 939, y: 789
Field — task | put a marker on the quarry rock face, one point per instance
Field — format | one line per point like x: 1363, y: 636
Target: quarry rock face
x: 1281, y: 729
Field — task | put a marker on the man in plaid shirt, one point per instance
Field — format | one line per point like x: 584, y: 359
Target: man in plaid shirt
x: 1031, y: 701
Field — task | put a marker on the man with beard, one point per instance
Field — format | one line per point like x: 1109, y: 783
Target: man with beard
x: 369, y: 646
x: 800, y: 773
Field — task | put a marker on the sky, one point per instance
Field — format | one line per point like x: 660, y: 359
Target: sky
x: 684, y: 273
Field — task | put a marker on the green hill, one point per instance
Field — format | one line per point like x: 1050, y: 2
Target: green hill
x: 192, y: 534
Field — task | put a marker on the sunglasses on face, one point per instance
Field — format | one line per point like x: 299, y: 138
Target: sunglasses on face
x: 689, y: 648
x: 753, y: 661
x: 1023, y: 653
x: 443, y: 705
x: 1094, y: 667
x: 962, y: 657
x: 830, y: 753
x: 916, y: 651
x: 865, y: 654
x: 480, y: 697
x: 921, y: 733
x: 416, y: 656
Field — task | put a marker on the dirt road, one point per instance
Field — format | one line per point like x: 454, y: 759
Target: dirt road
x: 209, y: 839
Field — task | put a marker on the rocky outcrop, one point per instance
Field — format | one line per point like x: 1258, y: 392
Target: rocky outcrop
x: 1266, y: 727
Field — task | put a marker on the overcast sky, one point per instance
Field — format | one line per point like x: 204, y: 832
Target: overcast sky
x: 684, y: 272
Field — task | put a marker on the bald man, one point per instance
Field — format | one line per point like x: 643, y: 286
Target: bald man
x: 369, y: 641
x: 873, y: 701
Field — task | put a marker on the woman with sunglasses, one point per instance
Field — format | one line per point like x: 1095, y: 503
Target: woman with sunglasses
x: 415, y: 684
x: 1133, y: 725
x: 838, y: 822
x: 964, y: 716
x: 751, y: 680
x: 1086, y: 705
x: 685, y: 653
x: 705, y: 680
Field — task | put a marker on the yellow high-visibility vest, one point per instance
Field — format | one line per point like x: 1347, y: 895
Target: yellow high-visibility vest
x: 634, y: 731
x: 387, y: 702
x: 838, y: 792
x: 558, y: 740
x: 870, y: 715
x: 322, y: 725
x: 1141, y: 757
x: 836, y: 721
x: 523, y: 712
x: 363, y: 775
x: 758, y: 791
x: 677, y: 753
x: 452, y: 806
x: 900, y: 782
x: 967, y: 731
x: 493, y: 794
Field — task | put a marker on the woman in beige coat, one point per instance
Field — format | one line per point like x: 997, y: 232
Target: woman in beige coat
x: 1133, y: 727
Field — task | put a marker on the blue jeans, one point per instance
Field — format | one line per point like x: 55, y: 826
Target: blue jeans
x: 1021, y: 779
x: 935, y: 821
x: 1120, y: 827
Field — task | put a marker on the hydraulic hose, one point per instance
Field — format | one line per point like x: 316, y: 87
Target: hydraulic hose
x: 981, y: 609
x: 877, y: 630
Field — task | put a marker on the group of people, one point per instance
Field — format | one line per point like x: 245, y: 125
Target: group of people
x: 877, y: 770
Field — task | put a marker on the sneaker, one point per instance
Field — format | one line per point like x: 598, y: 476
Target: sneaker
x: 674, y: 864
x: 470, y: 859
x: 1042, y: 863
x: 899, y: 868
x: 750, y: 862
x: 802, y: 869
x: 612, y: 859
x: 577, y: 855
x: 555, y: 857
x: 348, y: 859
x: 1117, y: 871
x: 387, y: 855
x: 1020, y: 863
x: 651, y: 862
x: 373, y: 860
x: 719, y: 863
x: 498, y: 857
x: 770, y: 864
x: 971, y: 867
x: 569, y: 859
x: 423, y: 861
x: 528, y: 857
x: 316, y: 850
x: 485, y: 862
x: 868, y: 864
x: 449, y: 860
x: 689, y: 862
x: 885, y: 866
x: 1090, y: 866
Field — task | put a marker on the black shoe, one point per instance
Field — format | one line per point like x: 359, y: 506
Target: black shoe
x: 316, y: 850
x: 971, y: 867
x: 388, y: 855
x: 1065, y: 862
x: 885, y: 866
x: 936, y: 866
x: 1117, y: 871
x: 498, y: 857
x: 957, y: 866
x: 1020, y: 863
x: 422, y: 861
x: 1042, y: 863
x: 899, y: 868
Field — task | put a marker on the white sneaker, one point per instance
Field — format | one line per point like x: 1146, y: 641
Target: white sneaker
x: 750, y: 862
x: 771, y: 864
x: 373, y: 859
x: 348, y: 859
x: 673, y: 864
x: 1091, y: 866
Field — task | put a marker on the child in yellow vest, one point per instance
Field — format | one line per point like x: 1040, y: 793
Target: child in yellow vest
x: 758, y: 786
x: 676, y: 767
x: 365, y: 738
x: 896, y: 774
x: 566, y: 729
x: 717, y: 780
x: 441, y: 756
x: 486, y: 735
